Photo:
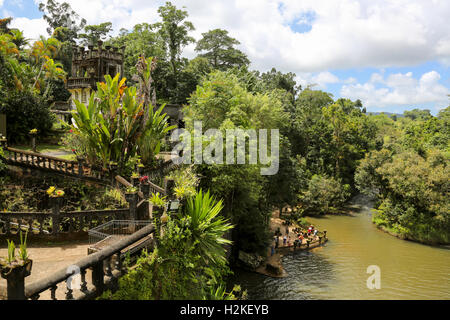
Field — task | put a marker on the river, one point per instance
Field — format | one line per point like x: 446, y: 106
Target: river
x: 338, y: 270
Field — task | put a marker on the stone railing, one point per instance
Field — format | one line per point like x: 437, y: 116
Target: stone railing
x: 82, y: 82
x: 67, y: 167
x: 104, y: 266
x: 40, y: 223
x: 62, y: 222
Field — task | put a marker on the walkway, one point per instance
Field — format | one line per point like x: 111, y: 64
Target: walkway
x: 49, y: 258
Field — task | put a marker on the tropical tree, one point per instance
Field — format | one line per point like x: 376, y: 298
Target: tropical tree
x: 220, y: 50
x: 155, y: 130
x: 110, y: 122
x: 41, y: 52
x: 174, y: 31
x: 113, y: 126
x: 60, y: 15
x: 94, y: 33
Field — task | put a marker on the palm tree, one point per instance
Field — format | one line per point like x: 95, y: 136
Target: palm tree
x: 19, y: 39
x: 53, y: 70
x: 207, y: 227
x: 43, y: 50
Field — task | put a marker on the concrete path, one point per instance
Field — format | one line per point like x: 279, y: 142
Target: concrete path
x: 50, y: 258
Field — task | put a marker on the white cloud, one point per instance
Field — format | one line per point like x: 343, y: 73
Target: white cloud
x: 1, y: 3
x: 399, y: 90
x: 344, y: 34
x: 33, y: 28
x: 317, y: 80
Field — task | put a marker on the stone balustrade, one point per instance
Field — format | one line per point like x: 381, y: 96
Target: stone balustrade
x: 105, y: 267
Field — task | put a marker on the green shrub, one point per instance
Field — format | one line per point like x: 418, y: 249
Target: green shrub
x: 323, y: 195
x: 24, y: 112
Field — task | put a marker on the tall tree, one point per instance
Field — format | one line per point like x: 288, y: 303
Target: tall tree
x: 95, y: 32
x: 220, y: 51
x: 143, y: 40
x: 174, y: 30
x: 61, y: 15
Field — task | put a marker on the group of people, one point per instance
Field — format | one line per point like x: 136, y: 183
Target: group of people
x: 299, y: 236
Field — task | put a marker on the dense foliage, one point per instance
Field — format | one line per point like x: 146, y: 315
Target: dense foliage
x: 189, y: 260
x: 26, y: 78
x: 114, y: 126
x: 410, y: 175
x: 28, y: 194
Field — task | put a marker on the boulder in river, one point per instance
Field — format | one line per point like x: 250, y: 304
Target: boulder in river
x: 250, y: 260
x: 274, y: 269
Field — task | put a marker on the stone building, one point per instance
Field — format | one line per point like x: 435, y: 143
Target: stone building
x: 90, y: 66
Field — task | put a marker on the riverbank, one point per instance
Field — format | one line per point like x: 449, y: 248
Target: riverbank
x: 392, y: 232
x: 272, y: 266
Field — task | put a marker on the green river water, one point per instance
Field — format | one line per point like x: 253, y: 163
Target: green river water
x: 338, y: 270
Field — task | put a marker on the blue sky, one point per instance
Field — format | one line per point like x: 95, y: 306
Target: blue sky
x: 393, y: 55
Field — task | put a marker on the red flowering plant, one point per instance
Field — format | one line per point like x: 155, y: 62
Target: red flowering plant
x: 144, y: 180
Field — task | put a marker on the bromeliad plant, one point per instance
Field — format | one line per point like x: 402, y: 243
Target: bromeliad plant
x: 157, y: 200
x: 131, y: 190
x: 23, y: 253
x: 12, y: 264
x: 55, y: 193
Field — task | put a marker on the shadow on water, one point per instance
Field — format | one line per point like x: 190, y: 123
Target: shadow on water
x: 306, y: 273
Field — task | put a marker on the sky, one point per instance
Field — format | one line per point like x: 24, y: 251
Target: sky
x: 393, y: 55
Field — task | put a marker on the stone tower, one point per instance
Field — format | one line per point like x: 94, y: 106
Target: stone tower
x: 90, y: 66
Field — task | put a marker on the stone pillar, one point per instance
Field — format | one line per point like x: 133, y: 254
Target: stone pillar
x: 145, y: 189
x: 33, y: 142
x: 3, y: 141
x: 169, y: 186
x: 98, y: 277
x: 80, y: 166
x: 135, y: 181
x: 56, y: 207
x: 132, y: 201
x: 15, y: 279
x: 3, y: 124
